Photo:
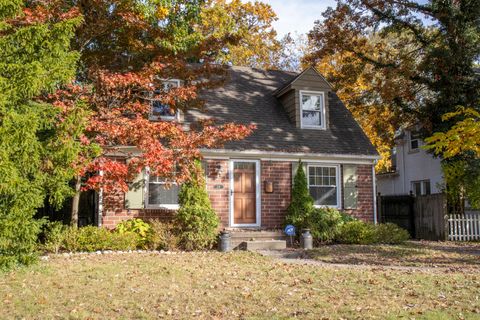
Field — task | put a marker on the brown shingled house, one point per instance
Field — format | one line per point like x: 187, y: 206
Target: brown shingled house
x: 298, y: 116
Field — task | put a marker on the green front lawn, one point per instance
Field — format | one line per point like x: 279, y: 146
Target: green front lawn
x: 238, y: 285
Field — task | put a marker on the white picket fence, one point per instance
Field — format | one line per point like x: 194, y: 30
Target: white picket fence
x: 464, y: 227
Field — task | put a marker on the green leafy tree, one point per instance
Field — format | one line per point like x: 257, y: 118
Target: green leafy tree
x: 39, y: 142
x: 301, y: 205
x: 196, y: 220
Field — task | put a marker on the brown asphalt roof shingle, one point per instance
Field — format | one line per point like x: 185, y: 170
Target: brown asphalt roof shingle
x: 248, y: 97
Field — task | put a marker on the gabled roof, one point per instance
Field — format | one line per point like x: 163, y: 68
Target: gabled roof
x: 248, y: 97
x: 285, y: 88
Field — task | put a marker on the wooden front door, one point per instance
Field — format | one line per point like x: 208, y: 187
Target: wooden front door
x: 244, y: 193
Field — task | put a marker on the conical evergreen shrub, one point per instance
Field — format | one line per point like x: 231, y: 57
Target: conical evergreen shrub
x: 301, y: 206
x: 196, y: 221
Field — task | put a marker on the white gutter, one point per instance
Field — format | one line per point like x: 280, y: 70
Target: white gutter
x: 267, y: 154
x: 100, y: 204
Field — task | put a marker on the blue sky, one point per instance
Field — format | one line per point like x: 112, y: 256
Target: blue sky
x: 298, y: 15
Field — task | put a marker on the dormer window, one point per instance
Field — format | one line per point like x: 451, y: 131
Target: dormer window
x: 312, y: 104
x: 160, y: 110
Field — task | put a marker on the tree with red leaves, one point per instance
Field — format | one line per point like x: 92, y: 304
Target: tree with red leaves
x: 128, y: 49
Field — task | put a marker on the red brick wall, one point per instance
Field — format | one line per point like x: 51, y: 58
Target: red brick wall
x: 114, y: 211
x: 364, y: 210
x: 218, y: 188
x: 274, y: 205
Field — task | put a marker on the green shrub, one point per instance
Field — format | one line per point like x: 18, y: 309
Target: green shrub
x: 301, y: 205
x: 325, y: 223
x: 123, y: 241
x: 54, y: 234
x: 357, y: 232
x: 137, y: 226
x: 91, y: 238
x: 196, y: 221
x: 390, y: 233
x: 164, y: 236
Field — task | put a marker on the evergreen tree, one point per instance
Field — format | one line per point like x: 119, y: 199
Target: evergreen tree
x: 301, y: 205
x: 38, y: 141
x: 196, y: 220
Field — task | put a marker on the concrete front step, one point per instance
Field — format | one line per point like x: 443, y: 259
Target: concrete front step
x: 239, y: 238
x: 265, y: 245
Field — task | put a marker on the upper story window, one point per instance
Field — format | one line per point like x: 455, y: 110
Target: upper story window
x: 420, y: 188
x: 162, y: 111
x: 312, y: 106
x: 415, y: 137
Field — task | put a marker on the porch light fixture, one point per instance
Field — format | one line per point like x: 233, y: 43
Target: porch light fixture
x: 268, y: 187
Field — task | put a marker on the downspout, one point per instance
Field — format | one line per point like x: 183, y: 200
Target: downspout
x: 100, y: 204
x: 374, y: 193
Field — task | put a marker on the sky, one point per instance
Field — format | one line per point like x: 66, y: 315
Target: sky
x: 297, y: 15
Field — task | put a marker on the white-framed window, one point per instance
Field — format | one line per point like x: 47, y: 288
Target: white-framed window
x: 162, y: 111
x: 323, y: 184
x: 415, y: 140
x: 161, y: 194
x: 420, y: 188
x: 312, y: 106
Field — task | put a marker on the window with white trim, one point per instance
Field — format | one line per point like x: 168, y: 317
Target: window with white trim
x: 415, y: 137
x: 323, y: 185
x: 161, y: 194
x: 312, y: 106
x: 420, y: 188
x: 160, y: 110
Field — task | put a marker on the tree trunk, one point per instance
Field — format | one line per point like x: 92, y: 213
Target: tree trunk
x: 76, y: 202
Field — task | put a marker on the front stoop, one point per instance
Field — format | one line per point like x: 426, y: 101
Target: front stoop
x: 248, y: 239
x: 266, y: 245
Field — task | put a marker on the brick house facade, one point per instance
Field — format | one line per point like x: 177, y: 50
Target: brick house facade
x: 273, y: 205
x: 297, y: 117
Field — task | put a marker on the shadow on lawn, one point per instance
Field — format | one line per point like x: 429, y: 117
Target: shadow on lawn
x: 410, y: 254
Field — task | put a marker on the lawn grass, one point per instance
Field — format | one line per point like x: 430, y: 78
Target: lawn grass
x: 237, y: 285
x: 413, y: 253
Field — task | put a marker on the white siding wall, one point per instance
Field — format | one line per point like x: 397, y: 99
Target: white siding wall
x: 411, y: 166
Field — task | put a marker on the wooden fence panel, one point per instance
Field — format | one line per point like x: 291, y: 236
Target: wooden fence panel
x: 430, y: 217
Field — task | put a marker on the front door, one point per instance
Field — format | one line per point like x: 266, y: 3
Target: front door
x: 244, y: 193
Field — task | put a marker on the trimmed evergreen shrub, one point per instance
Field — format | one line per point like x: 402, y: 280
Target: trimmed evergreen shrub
x: 301, y: 205
x: 324, y: 224
x: 390, y: 233
x: 357, y: 232
x: 196, y: 221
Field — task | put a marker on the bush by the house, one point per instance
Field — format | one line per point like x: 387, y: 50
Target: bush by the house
x: 325, y: 223
x: 163, y: 237
x: 59, y: 237
x: 196, y: 221
x: 142, y: 229
x: 301, y: 205
x: 359, y: 232
x: 53, y: 236
x: 390, y: 233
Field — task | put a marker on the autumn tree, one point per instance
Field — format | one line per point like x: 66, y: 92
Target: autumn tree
x: 431, y: 57
x: 128, y: 49
x: 371, y: 93
x: 248, y: 27
x: 39, y: 142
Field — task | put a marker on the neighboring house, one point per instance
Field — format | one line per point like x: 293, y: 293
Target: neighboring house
x: 413, y: 169
x: 298, y: 116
